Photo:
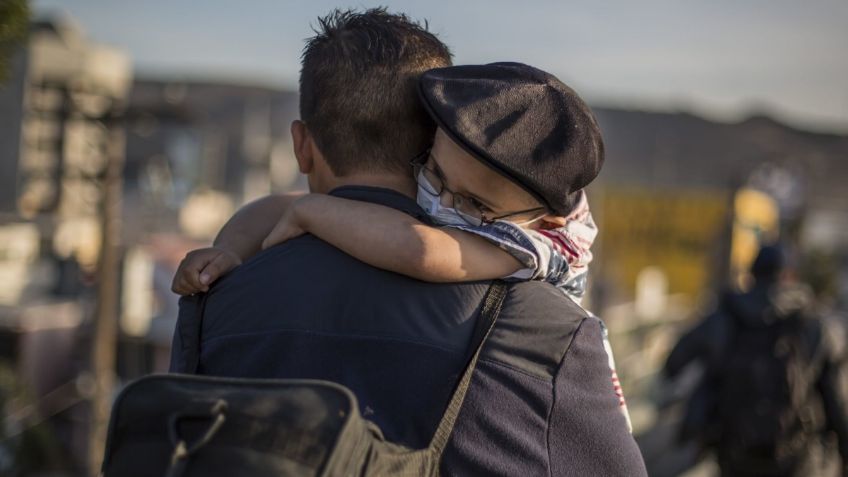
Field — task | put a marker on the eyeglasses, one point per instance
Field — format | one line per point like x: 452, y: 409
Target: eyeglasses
x: 469, y: 208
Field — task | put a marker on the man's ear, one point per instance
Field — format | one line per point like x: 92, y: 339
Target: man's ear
x: 303, y: 146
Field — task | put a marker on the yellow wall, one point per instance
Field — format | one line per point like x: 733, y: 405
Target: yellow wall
x: 677, y: 231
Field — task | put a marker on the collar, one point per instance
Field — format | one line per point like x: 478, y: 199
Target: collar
x: 385, y: 197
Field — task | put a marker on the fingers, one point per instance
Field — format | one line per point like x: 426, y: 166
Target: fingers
x: 187, y: 278
x: 200, y: 268
x: 182, y: 285
x: 217, y: 267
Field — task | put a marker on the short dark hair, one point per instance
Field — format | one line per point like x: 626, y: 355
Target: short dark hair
x: 358, y: 89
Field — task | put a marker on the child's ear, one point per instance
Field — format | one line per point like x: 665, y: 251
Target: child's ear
x: 302, y: 145
x: 551, y: 221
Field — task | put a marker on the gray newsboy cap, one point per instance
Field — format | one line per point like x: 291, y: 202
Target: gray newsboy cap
x: 522, y: 122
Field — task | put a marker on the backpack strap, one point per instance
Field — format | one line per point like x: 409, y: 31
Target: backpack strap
x: 190, y: 327
x: 492, y: 304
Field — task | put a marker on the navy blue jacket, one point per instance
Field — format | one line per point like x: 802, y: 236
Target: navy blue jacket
x: 541, y: 401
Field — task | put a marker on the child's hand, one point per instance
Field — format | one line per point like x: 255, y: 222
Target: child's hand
x: 286, y: 229
x: 201, y: 267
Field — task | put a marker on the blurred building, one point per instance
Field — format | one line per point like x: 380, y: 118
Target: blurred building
x: 62, y: 124
x: 198, y: 149
x: 62, y: 111
x: 193, y: 151
x: 63, y: 107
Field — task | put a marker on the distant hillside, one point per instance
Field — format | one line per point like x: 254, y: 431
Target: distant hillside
x: 682, y: 150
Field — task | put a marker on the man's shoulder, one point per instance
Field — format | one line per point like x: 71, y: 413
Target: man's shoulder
x: 307, y: 284
x: 544, y: 300
x: 542, y: 306
x: 536, y: 327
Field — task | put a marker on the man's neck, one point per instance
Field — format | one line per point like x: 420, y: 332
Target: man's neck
x: 397, y: 183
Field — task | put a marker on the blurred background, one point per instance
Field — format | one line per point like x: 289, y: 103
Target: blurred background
x: 130, y: 131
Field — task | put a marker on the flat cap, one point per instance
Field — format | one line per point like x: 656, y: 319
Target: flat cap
x: 522, y: 122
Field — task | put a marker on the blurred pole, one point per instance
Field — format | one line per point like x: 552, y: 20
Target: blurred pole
x: 105, y: 333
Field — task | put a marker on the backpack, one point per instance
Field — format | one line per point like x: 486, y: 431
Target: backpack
x: 177, y: 425
x: 766, y: 400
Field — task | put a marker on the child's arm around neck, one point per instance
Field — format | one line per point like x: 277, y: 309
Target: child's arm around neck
x: 244, y: 231
x: 240, y: 238
x: 392, y: 240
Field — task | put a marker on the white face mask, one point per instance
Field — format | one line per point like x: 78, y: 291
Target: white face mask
x: 432, y: 204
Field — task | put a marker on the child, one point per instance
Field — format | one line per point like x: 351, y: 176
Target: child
x: 498, y: 218
x: 531, y: 244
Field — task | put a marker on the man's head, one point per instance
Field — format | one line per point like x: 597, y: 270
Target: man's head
x: 358, y: 104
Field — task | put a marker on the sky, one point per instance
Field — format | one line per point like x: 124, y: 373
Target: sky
x: 724, y: 59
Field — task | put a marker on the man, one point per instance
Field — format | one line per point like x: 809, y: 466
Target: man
x: 774, y: 382
x: 541, y: 401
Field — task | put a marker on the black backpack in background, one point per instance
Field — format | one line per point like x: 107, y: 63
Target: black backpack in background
x: 176, y: 425
x: 768, y: 406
